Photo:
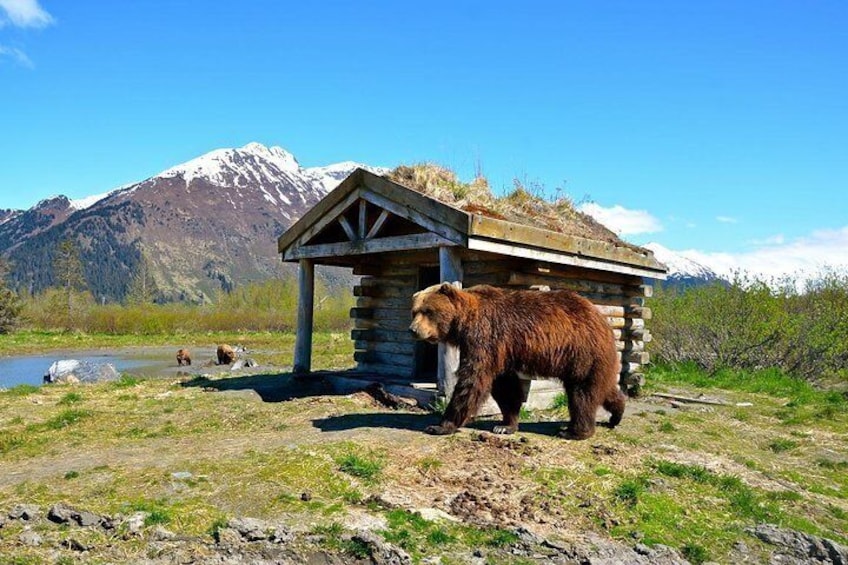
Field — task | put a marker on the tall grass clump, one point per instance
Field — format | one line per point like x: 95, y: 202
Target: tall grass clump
x: 269, y: 305
x: 751, y: 325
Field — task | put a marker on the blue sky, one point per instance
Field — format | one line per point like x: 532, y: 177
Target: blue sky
x: 715, y: 128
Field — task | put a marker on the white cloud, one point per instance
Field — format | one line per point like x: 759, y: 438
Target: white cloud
x: 24, y: 13
x: 622, y: 220
x: 726, y: 220
x: 802, y: 257
x: 773, y: 240
x: 16, y: 55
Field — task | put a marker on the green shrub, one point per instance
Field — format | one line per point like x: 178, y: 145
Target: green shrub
x: 751, y: 324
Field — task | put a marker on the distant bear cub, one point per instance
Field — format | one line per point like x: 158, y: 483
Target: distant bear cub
x: 501, y: 333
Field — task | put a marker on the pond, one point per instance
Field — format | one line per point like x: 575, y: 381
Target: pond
x: 146, y: 361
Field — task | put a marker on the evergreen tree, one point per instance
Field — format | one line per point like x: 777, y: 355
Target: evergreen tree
x: 10, y: 305
x: 68, y: 273
x: 142, y: 289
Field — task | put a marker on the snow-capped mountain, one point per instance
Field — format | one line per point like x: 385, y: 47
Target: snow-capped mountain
x: 682, y: 271
x: 204, y: 225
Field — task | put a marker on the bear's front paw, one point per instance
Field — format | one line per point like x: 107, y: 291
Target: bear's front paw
x: 504, y: 430
x: 440, y: 430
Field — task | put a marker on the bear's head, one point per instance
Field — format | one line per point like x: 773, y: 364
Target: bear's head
x: 434, y: 311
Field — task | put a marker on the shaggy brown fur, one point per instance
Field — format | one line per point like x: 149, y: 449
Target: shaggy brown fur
x: 226, y: 354
x: 501, y: 333
x: 183, y: 357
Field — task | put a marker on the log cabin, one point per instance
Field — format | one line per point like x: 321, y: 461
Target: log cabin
x: 400, y: 240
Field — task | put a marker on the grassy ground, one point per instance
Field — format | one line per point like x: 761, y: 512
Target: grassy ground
x: 692, y: 477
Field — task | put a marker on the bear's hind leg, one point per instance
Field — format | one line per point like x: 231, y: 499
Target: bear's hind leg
x: 614, y: 404
x: 581, y: 414
x: 508, y: 393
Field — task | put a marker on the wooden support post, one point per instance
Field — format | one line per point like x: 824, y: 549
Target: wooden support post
x: 450, y: 270
x: 305, y: 301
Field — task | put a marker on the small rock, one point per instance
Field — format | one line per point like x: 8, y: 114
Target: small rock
x: 60, y: 513
x: 181, y: 475
x: 250, y: 529
x: 25, y: 512
x: 382, y: 553
x: 228, y: 538
x: 76, y: 545
x: 87, y: 519
x: 643, y: 549
x: 161, y: 534
x: 30, y: 538
x: 135, y: 523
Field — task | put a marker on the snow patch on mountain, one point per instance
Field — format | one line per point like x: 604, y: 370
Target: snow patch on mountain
x: 236, y: 166
x: 330, y: 176
x: 680, y: 266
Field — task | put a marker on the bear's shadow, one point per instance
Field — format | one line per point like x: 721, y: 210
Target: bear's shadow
x: 281, y: 387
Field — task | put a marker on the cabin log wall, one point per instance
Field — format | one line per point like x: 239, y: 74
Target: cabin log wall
x: 382, y: 342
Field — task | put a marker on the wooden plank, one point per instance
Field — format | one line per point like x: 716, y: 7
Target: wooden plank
x: 638, y: 312
x: 615, y: 322
x: 367, y: 269
x: 399, y: 303
x: 383, y: 358
x: 580, y: 273
x: 378, y: 223
x: 305, y: 302
x: 383, y: 291
x: 363, y: 217
x: 613, y: 311
x: 316, y: 212
x: 500, y: 265
x: 348, y: 229
x: 388, y: 370
x: 627, y: 367
x: 415, y: 216
x: 479, y: 244
x: 450, y: 270
x: 396, y: 281
x: 362, y: 313
x: 408, y: 198
x: 640, y: 357
x: 395, y: 347
x: 380, y: 335
x: 390, y: 324
x: 367, y: 246
x: 577, y: 285
x: 634, y: 323
x: 493, y: 228
x: 328, y: 218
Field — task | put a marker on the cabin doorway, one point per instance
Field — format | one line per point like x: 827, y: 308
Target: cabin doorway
x: 427, y: 354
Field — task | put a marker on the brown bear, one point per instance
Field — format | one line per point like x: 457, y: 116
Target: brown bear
x: 183, y: 357
x: 228, y: 354
x: 503, y: 333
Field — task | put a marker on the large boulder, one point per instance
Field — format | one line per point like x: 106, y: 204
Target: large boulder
x: 69, y: 371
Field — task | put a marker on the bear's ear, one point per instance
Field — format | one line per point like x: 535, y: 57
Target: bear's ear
x: 449, y: 290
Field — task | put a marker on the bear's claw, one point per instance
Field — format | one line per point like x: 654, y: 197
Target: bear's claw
x: 504, y: 430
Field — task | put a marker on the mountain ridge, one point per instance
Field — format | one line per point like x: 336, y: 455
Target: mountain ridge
x: 200, y: 227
